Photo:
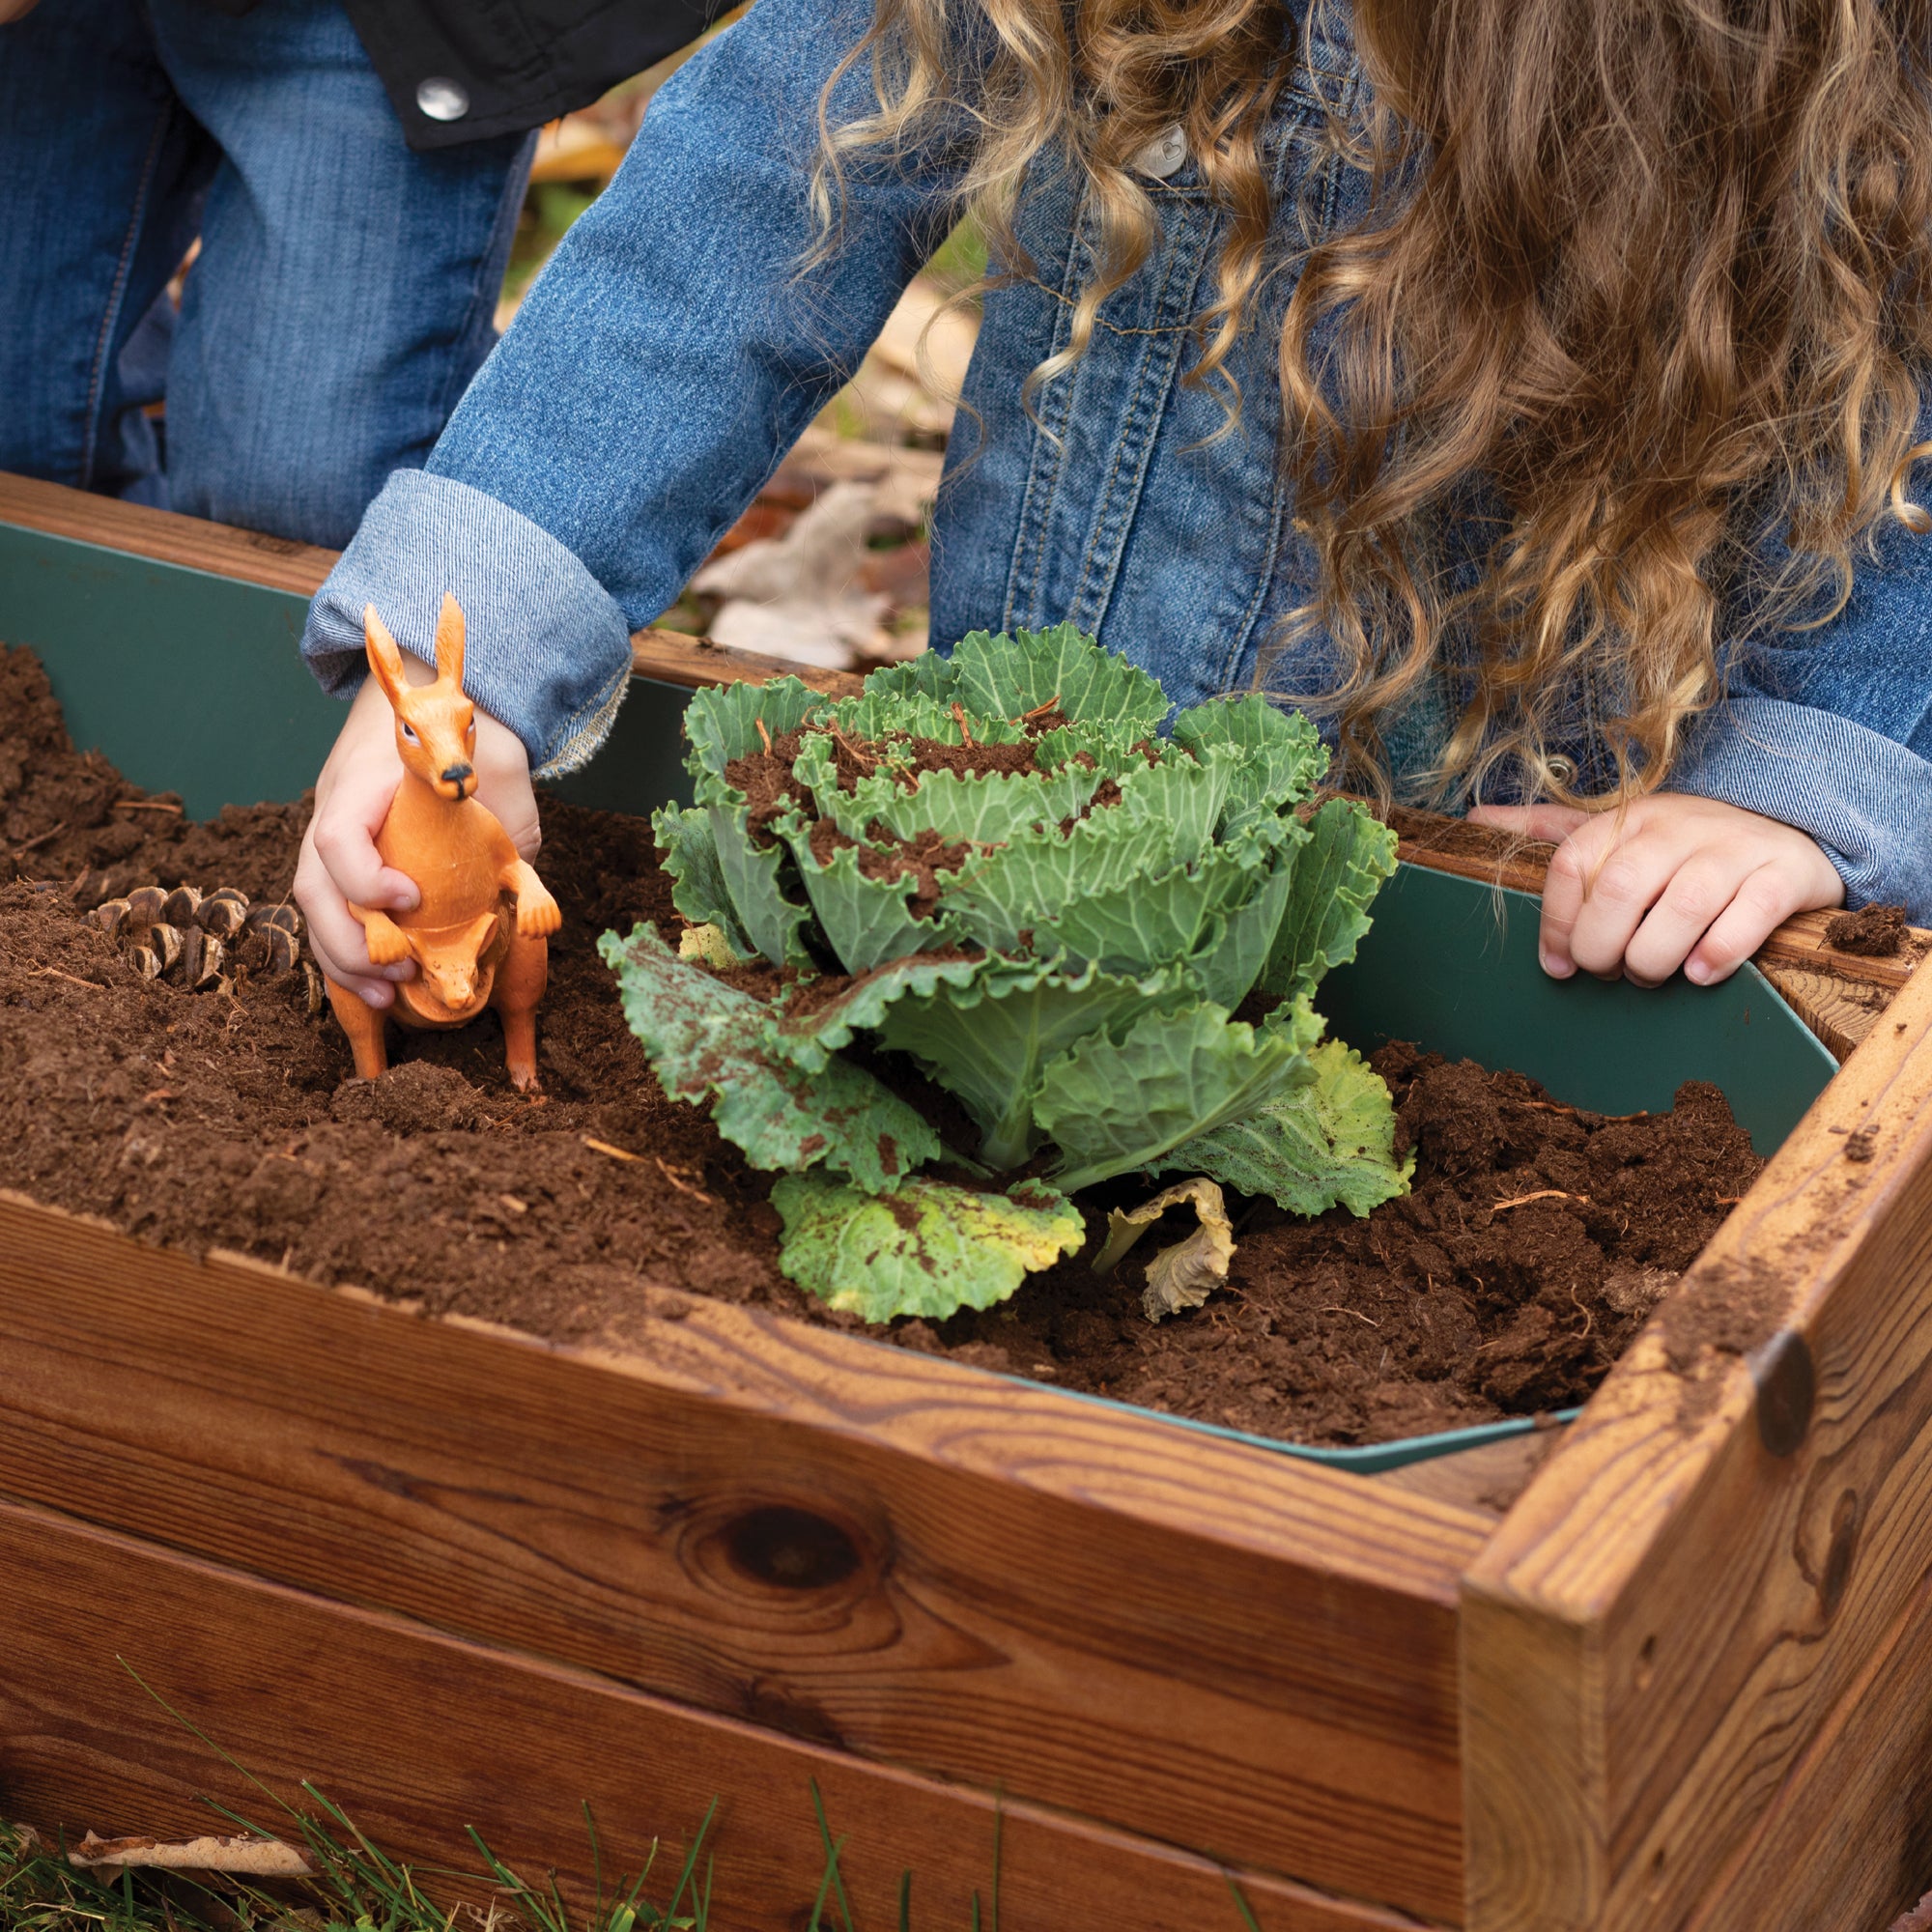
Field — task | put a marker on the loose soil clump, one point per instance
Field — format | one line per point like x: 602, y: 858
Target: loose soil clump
x: 1534, y: 1242
x: 1873, y: 931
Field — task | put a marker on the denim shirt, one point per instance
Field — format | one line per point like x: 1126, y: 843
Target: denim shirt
x: 674, y: 349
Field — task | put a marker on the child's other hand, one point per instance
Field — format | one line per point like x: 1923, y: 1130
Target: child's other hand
x: 1670, y: 881
x: 339, y: 862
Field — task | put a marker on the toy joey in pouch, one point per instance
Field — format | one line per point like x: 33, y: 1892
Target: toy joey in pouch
x: 479, y: 932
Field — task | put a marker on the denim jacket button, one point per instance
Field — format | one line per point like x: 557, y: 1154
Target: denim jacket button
x: 1164, y: 156
x: 443, y: 98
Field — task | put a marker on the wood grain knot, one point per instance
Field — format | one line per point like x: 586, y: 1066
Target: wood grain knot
x: 790, y: 1548
x: 1846, y: 1515
x: 1786, y: 1383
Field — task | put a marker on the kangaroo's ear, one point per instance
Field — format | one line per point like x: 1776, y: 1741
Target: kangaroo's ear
x: 479, y: 932
x: 385, y: 659
x: 449, y: 639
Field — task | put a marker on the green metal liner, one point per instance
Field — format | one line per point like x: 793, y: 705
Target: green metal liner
x: 1452, y: 965
x: 190, y: 682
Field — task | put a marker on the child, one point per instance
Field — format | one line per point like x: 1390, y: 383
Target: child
x: 1514, y: 383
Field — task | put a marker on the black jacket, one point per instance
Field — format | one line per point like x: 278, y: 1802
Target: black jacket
x: 462, y: 70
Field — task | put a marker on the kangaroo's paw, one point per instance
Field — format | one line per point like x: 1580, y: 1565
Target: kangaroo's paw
x: 537, y: 914
x: 537, y: 917
x: 386, y: 940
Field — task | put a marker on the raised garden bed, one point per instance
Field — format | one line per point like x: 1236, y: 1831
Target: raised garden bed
x: 459, y: 1577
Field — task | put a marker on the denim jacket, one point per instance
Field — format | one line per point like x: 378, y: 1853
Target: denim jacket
x: 674, y: 349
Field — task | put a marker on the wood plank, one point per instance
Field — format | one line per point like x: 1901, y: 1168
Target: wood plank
x: 670, y: 657
x: 1487, y: 1479
x: 221, y: 549
x: 1841, y: 1012
x: 1847, y: 1841
x: 419, y: 1734
x: 1690, y: 1602
x: 224, y: 549
x: 1447, y: 845
x: 1013, y: 1587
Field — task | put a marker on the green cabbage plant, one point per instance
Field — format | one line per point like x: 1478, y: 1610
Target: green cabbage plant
x: 990, y: 864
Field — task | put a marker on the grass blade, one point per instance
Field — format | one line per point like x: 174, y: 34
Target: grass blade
x: 832, y: 1851
x: 816, y: 1924
x: 596, y: 1868
x: 195, y: 1730
x: 1247, y: 1916
x: 691, y: 1865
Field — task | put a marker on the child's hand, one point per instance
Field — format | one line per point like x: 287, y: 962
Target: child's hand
x: 1670, y: 881
x: 339, y: 862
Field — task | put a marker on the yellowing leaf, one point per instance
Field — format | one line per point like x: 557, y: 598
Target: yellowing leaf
x: 707, y: 946
x: 927, y: 1248
x: 1185, y: 1274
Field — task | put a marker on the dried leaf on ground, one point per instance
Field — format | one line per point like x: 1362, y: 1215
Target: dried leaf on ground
x: 1185, y: 1274
x: 929, y: 341
x: 800, y: 595
x: 908, y: 478
x: 256, y: 1858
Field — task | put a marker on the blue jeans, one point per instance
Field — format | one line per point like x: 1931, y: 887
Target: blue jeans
x: 345, y: 291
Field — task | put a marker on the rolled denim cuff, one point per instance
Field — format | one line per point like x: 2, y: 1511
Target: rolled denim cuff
x: 548, y: 652
x: 1863, y: 797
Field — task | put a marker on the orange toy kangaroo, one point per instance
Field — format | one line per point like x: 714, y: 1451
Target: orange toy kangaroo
x: 479, y: 937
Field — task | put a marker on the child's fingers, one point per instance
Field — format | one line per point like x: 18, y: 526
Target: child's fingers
x: 335, y: 935
x: 1763, y: 901
x: 503, y: 785
x: 1574, y: 870
x: 1697, y: 895
x: 1550, y: 824
x: 343, y: 832
x: 1603, y: 883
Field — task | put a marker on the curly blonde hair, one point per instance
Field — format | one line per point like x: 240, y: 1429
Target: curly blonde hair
x: 1651, y: 278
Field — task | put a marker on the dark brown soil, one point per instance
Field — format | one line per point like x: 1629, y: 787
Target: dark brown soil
x: 1535, y: 1241
x: 71, y: 817
x: 922, y: 858
x: 1874, y: 931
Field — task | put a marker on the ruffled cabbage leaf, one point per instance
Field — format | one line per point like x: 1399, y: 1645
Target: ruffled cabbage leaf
x: 991, y: 864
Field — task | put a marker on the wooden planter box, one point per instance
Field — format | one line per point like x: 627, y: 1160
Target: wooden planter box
x: 459, y: 1578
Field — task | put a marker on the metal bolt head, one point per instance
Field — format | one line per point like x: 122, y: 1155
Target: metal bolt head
x: 443, y: 98
x: 1787, y: 1386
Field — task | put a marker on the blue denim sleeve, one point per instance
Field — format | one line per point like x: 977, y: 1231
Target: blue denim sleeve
x: 1830, y: 730
x: 669, y: 353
